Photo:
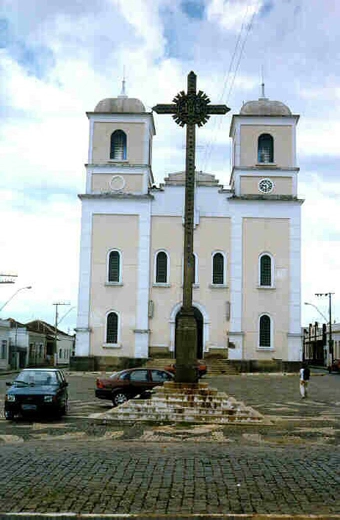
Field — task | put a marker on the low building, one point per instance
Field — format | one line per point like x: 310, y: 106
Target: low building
x: 315, y: 344
x: 4, y: 344
x: 59, y: 344
x: 316, y: 349
x: 33, y: 344
x: 27, y: 347
x: 336, y: 340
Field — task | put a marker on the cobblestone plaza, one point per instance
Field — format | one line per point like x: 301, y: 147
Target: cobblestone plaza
x: 288, y: 466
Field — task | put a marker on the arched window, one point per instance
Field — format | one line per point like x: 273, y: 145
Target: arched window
x: 265, y: 149
x: 118, y: 145
x: 218, y: 269
x: 265, y: 269
x: 114, y: 267
x: 265, y: 331
x: 112, y: 328
x: 161, y: 267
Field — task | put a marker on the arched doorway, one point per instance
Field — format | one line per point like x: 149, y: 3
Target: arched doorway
x: 199, y: 323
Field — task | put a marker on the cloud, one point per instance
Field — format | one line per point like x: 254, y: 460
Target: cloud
x: 320, y: 243
x: 319, y: 137
x: 41, y: 246
x: 59, y: 58
x: 144, y: 17
x: 231, y: 15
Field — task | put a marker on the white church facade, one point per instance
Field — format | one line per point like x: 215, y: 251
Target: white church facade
x: 247, y: 243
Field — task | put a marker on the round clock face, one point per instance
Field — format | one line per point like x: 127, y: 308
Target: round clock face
x: 117, y: 183
x: 266, y: 185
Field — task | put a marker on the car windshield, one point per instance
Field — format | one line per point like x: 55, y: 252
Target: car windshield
x: 36, y: 378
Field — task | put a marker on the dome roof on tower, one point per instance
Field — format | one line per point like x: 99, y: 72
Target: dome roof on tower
x: 265, y: 107
x: 120, y: 104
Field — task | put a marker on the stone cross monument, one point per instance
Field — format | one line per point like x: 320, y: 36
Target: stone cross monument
x: 190, y: 109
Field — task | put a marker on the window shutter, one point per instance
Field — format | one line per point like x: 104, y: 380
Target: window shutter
x: 218, y: 269
x: 112, y: 328
x: 162, y: 268
x: 265, y: 270
x: 114, y: 266
x: 265, y: 331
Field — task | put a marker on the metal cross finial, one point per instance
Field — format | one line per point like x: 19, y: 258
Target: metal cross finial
x: 123, y: 92
x: 191, y: 108
x: 262, y: 93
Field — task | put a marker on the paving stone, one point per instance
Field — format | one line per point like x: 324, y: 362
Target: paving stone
x: 290, y: 466
x: 202, y: 479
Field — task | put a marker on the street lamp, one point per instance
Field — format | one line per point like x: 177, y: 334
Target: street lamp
x: 315, y: 307
x: 16, y: 292
x: 66, y: 313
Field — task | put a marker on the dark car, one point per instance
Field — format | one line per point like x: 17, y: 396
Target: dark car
x: 335, y: 366
x: 202, y: 368
x: 37, y: 390
x: 124, y: 385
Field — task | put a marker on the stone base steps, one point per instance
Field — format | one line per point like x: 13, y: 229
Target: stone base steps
x: 160, y: 362
x: 187, y: 403
x: 220, y: 366
x: 215, y: 366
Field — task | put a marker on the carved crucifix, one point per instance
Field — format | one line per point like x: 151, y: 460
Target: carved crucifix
x: 190, y: 109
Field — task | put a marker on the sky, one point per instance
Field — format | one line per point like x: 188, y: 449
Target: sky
x: 59, y: 58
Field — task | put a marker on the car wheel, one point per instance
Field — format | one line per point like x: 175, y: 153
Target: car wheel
x: 9, y: 416
x: 119, y: 398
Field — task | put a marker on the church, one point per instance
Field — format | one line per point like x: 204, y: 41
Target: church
x: 247, y: 243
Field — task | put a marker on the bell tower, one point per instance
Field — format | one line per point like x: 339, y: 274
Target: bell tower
x: 264, y: 150
x: 266, y: 233
x: 120, y: 147
x: 115, y: 230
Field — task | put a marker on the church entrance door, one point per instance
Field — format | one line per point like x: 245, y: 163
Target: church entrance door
x: 199, y: 323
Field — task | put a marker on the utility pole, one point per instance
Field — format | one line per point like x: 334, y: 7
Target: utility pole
x: 55, y: 349
x: 330, y: 339
x: 7, y: 277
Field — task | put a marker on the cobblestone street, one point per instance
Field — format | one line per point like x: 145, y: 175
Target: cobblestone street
x: 116, y: 477
x: 288, y: 466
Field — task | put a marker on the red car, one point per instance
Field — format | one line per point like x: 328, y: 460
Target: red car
x: 124, y: 385
x: 335, y: 366
x: 202, y: 368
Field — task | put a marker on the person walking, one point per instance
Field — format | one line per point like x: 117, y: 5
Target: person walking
x: 304, y: 379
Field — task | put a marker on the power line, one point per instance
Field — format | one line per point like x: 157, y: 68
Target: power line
x: 210, y: 145
x: 226, y: 78
x: 235, y: 50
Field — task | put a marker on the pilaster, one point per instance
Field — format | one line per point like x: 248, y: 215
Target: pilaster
x: 236, y: 290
